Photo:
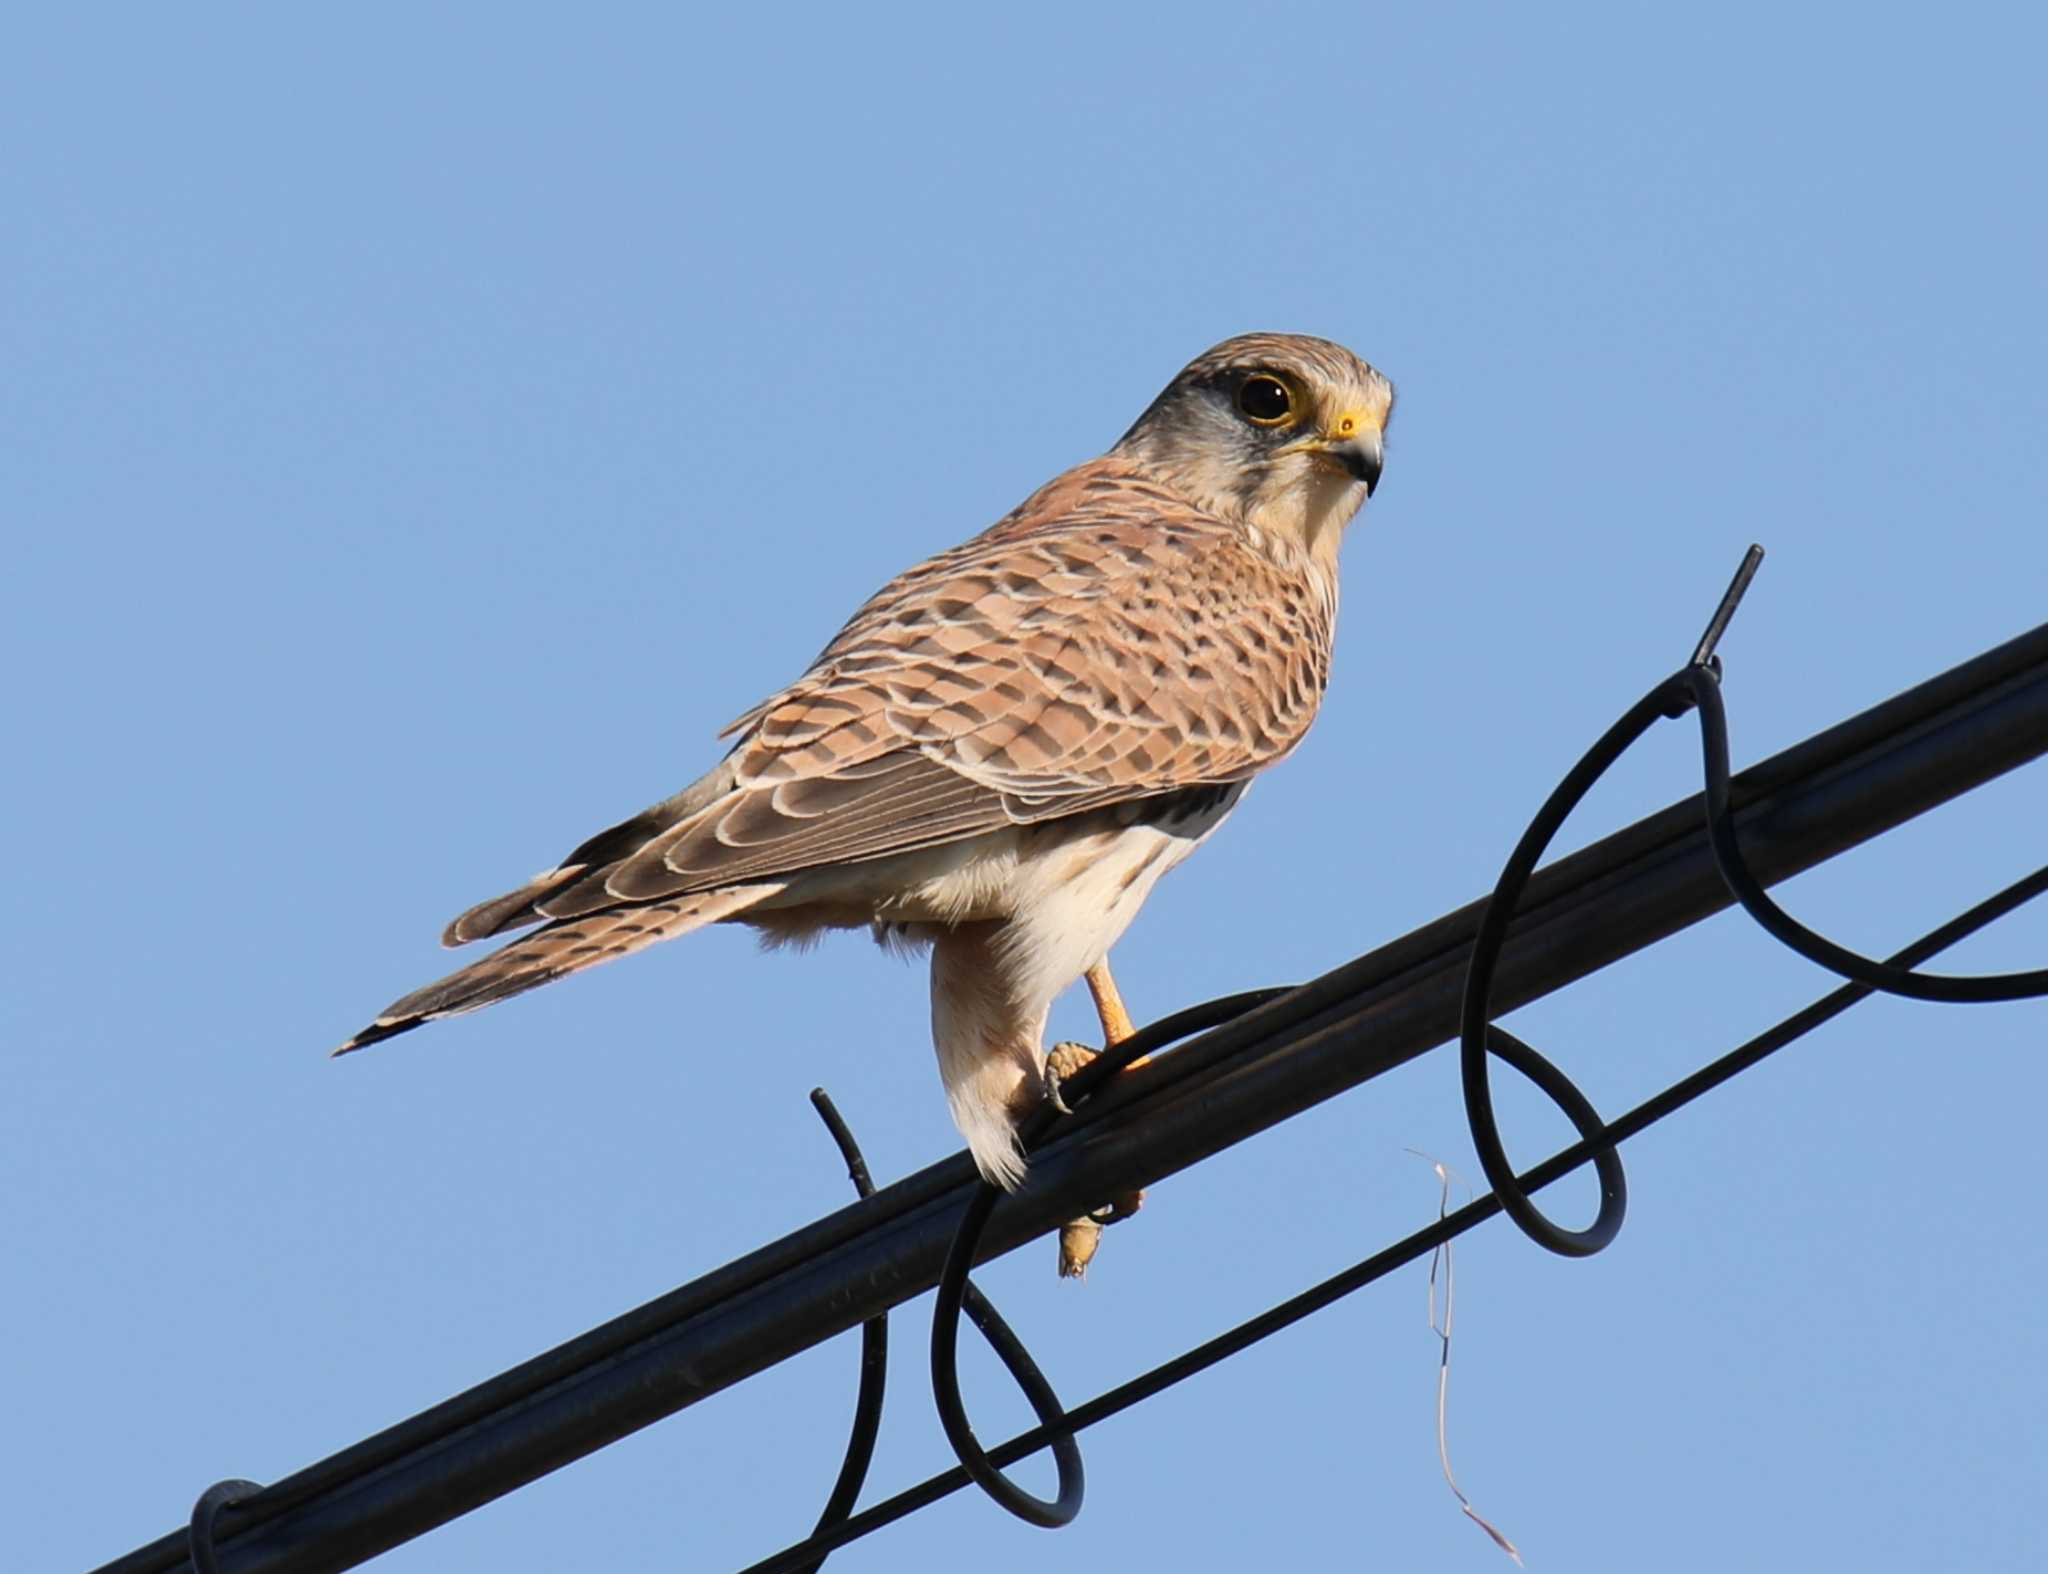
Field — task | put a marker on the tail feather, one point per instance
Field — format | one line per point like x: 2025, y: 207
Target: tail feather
x: 596, y: 857
x: 513, y: 910
x: 554, y: 952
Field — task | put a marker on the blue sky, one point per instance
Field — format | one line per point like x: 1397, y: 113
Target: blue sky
x: 424, y: 432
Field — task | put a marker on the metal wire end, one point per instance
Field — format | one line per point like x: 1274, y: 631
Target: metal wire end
x: 1703, y: 653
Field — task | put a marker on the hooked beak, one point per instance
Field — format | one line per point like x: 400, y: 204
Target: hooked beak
x: 1351, y: 442
x: 1361, y: 455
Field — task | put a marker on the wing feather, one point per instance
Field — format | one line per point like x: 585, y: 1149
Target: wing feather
x: 1104, y: 643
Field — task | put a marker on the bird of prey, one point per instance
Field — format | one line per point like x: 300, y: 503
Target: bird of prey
x: 1008, y: 745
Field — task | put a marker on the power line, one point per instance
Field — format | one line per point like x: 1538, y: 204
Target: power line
x: 1286, y: 1053
x: 1411, y: 1248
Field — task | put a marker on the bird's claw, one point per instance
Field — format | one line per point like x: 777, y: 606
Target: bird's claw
x: 1061, y: 1062
x: 1080, y: 1238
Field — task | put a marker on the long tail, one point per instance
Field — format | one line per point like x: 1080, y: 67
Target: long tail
x: 551, y: 953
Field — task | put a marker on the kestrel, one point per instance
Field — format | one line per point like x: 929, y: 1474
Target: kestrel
x: 1009, y: 744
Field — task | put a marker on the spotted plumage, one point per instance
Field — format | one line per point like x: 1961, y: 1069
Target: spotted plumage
x: 1009, y: 744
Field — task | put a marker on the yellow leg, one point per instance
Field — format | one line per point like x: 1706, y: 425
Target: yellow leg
x: 1109, y: 1005
x: 1080, y: 1238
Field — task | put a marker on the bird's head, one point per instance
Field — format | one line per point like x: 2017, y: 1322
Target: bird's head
x: 1277, y: 431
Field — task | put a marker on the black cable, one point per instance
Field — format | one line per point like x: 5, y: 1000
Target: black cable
x: 1477, y: 1034
x: 954, y: 1291
x: 1782, y: 926
x: 205, y: 1512
x: 1148, y: 1040
x: 1413, y: 1247
x: 1694, y: 687
x: 874, y: 1354
x: 1285, y: 1050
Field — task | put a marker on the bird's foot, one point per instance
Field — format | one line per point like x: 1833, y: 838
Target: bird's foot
x: 1080, y: 1238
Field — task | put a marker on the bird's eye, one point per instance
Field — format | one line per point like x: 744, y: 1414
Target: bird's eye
x: 1264, y: 399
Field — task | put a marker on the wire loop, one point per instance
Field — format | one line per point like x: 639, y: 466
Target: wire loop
x: 1478, y: 1036
x: 199, y: 1536
x: 1416, y: 1246
x: 1951, y: 988
x: 1694, y: 687
x: 956, y: 1294
x: 1514, y: 1196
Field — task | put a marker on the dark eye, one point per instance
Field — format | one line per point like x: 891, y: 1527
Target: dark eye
x: 1264, y: 399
